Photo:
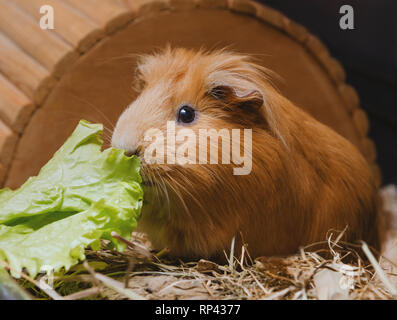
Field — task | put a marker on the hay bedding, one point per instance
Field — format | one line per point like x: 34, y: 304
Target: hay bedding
x: 139, y: 274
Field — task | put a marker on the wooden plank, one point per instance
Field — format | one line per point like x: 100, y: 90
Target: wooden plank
x: 368, y: 149
x: 335, y: 70
x: 360, y: 119
x: 243, y: 6
x: 295, y: 30
x: 23, y: 71
x: 271, y: 16
x: 74, y: 27
x: 8, y: 142
x: 142, y: 7
x: 2, y: 175
x: 349, y: 96
x: 212, y: 4
x: 15, y: 107
x: 110, y: 14
x: 49, y: 50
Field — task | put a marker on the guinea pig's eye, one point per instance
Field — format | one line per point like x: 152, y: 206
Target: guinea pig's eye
x: 186, y: 114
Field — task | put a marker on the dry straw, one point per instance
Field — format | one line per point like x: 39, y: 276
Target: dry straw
x: 342, y: 271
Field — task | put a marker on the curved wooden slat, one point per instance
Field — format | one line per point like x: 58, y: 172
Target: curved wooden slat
x: 350, y: 96
x: 270, y: 15
x: 369, y: 149
x: 2, y: 174
x: 8, y: 141
x: 242, y: 6
x: 15, y: 107
x: 110, y: 14
x: 23, y: 71
x: 141, y: 7
x: 361, y: 121
x: 49, y: 50
x: 335, y: 70
x: 212, y: 4
x: 74, y: 27
x: 295, y: 30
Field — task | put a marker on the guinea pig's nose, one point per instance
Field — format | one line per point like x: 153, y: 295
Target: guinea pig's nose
x: 133, y: 151
x: 130, y: 152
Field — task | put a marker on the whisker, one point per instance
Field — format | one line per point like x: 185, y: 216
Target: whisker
x: 173, y: 186
x: 148, y: 174
x: 93, y: 107
x: 165, y: 191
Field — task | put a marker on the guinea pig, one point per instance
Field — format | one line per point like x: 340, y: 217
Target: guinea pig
x: 304, y: 179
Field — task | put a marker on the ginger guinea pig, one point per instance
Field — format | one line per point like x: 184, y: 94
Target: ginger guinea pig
x: 304, y: 179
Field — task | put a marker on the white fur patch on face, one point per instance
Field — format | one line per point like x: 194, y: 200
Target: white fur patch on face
x: 124, y: 135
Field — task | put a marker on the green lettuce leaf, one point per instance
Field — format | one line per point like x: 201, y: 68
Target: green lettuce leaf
x: 80, y: 196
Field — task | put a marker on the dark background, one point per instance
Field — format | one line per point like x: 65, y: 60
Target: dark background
x: 369, y: 56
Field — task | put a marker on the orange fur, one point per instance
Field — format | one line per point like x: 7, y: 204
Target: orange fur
x: 305, y: 179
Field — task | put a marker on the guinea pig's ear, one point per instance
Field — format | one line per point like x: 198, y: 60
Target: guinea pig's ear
x: 249, y: 99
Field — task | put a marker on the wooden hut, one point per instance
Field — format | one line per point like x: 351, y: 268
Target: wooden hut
x: 49, y: 79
